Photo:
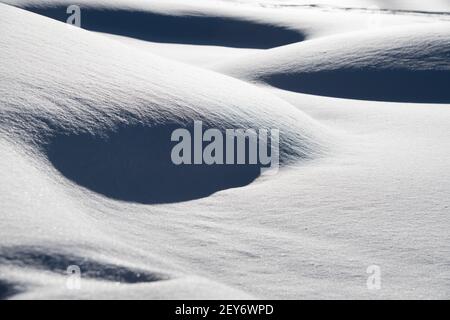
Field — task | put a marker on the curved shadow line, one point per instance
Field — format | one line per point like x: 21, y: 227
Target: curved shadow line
x: 198, y: 30
x: 43, y: 259
x: 418, y: 86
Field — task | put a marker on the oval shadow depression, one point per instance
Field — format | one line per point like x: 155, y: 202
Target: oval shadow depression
x: 133, y: 163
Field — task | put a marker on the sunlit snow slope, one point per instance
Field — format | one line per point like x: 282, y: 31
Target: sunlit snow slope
x: 359, y: 94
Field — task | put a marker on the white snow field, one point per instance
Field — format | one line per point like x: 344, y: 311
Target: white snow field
x: 361, y: 98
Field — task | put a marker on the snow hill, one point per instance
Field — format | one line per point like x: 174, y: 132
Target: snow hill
x: 402, y: 64
x: 77, y: 105
x: 360, y: 97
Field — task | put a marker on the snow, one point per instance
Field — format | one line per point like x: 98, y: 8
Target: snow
x: 405, y: 5
x: 405, y: 64
x: 85, y: 121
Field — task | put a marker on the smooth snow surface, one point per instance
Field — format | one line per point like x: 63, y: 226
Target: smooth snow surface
x: 403, y: 5
x: 360, y: 97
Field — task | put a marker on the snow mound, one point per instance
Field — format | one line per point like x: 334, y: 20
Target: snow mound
x: 215, y: 23
x: 102, y: 113
x: 398, y: 64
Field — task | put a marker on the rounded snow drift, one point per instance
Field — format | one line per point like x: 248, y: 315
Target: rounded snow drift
x: 399, y: 64
x: 102, y: 113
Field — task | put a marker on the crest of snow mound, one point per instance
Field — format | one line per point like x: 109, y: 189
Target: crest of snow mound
x: 102, y: 113
x: 399, y: 64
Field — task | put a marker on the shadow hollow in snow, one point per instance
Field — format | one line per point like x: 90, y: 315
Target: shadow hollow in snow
x: 133, y: 163
x: 415, y: 86
x: 40, y: 258
x: 7, y: 290
x: 187, y: 29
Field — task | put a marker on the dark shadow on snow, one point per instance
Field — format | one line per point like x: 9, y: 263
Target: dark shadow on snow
x: 44, y: 259
x: 199, y: 30
x: 7, y: 290
x: 133, y: 163
x: 421, y: 86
